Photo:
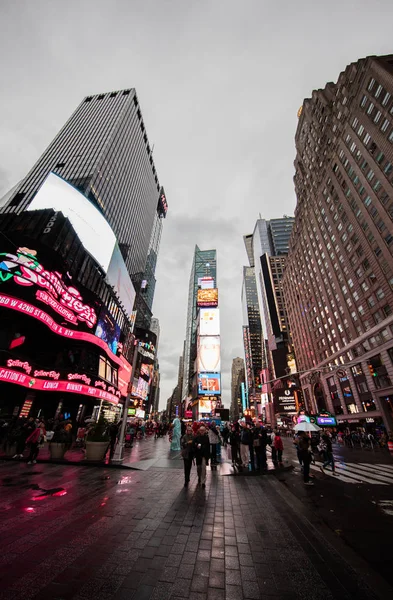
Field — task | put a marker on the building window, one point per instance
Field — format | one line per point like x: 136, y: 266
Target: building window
x: 378, y: 115
x: 385, y: 125
x: 363, y: 101
x: 370, y: 108
x: 371, y: 84
x: 390, y: 138
x: 380, y: 294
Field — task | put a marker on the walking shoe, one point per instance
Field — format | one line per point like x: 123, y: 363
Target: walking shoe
x: 308, y: 483
x: 20, y: 455
x: 322, y: 468
x: 34, y: 462
x: 30, y: 462
x: 16, y: 456
x: 335, y: 474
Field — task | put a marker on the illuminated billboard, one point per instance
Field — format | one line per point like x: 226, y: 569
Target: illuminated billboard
x: 209, y: 321
x: 91, y: 227
x: 206, y: 283
x: 118, y: 277
x: 162, y: 206
x: 205, y: 406
x: 108, y: 330
x: 208, y: 359
x: 207, y: 298
x: 209, y: 383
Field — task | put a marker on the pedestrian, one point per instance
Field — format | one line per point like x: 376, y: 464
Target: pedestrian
x: 214, y: 439
x: 246, y: 441
x: 20, y: 434
x: 225, y: 434
x: 305, y: 454
x: 327, y: 450
x: 34, y: 440
x: 113, y: 432
x: 260, y: 436
x: 279, y: 447
x: 202, y: 454
x: 296, y: 442
x: 274, y: 451
x: 234, y: 440
x: 187, y: 452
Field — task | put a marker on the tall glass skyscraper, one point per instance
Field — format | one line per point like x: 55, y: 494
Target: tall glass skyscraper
x: 204, y: 264
x: 104, y: 152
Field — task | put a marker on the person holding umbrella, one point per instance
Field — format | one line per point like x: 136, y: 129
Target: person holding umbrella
x: 304, y: 448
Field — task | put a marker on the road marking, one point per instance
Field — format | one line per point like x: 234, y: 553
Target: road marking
x: 340, y: 477
x: 352, y: 476
x: 387, y: 468
x: 360, y: 470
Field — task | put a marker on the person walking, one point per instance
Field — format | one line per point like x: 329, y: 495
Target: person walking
x: 246, y: 441
x: 327, y: 450
x: 214, y: 439
x: 305, y: 455
x: 113, y: 432
x: 187, y: 452
x: 279, y: 447
x: 202, y: 454
x: 234, y: 440
x: 34, y: 440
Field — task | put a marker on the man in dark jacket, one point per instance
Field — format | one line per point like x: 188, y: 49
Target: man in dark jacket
x: 260, y: 435
x: 202, y: 454
x: 305, y: 455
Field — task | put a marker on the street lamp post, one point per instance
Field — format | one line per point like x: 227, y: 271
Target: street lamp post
x: 118, y: 456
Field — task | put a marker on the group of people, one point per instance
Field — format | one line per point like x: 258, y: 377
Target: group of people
x: 305, y: 453
x: 247, y: 446
x: 25, y: 432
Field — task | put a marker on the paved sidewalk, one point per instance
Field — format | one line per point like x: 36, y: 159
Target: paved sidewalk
x: 81, y: 533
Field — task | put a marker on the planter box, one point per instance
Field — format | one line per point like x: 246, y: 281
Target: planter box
x: 10, y: 449
x: 96, y: 450
x: 57, y: 450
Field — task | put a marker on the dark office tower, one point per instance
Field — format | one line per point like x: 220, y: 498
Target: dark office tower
x: 237, y: 379
x: 280, y: 232
x: 338, y: 282
x: 103, y: 151
x: 252, y: 335
x: 204, y: 264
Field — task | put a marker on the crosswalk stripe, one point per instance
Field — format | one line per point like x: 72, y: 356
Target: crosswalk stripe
x: 387, y: 468
x: 376, y: 469
x: 362, y: 471
x: 352, y: 476
x: 340, y: 477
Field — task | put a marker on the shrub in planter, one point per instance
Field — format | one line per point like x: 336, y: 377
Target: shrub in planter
x: 58, y: 444
x: 97, y: 440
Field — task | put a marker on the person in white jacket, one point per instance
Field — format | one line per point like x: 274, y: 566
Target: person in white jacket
x: 214, y: 439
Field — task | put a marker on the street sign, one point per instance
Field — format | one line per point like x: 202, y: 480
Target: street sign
x: 341, y: 373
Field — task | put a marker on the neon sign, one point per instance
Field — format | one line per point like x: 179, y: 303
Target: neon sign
x: 18, y: 363
x: 82, y: 377
x: 55, y: 386
x: 52, y: 374
x: 27, y: 271
x: 37, y: 313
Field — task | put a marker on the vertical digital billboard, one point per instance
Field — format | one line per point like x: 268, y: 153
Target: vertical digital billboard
x: 207, y: 298
x: 208, y: 358
x: 209, y: 383
x: 209, y: 321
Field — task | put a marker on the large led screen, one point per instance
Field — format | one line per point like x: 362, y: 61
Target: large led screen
x: 207, y: 298
x: 209, y: 383
x: 208, y: 353
x: 91, y: 227
x: 206, y: 283
x: 119, y: 279
x: 108, y: 330
x: 209, y: 321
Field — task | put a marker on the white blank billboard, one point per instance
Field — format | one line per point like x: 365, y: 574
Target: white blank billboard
x: 91, y: 227
x: 209, y: 321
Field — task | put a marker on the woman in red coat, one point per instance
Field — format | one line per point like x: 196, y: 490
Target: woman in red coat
x: 279, y: 447
x: 34, y: 439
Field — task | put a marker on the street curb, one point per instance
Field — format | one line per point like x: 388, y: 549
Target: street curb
x: 87, y: 463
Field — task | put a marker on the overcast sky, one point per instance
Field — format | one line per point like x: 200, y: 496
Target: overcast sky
x: 219, y: 83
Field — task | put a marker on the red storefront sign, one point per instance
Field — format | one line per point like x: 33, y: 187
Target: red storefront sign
x: 28, y: 309
x: 27, y: 381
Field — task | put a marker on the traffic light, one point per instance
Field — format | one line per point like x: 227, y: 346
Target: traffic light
x: 372, y: 371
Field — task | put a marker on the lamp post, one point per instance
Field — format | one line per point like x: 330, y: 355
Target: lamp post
x: 118, y: 456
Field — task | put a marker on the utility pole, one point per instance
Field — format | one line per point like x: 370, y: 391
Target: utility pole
x: 118, y: 456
